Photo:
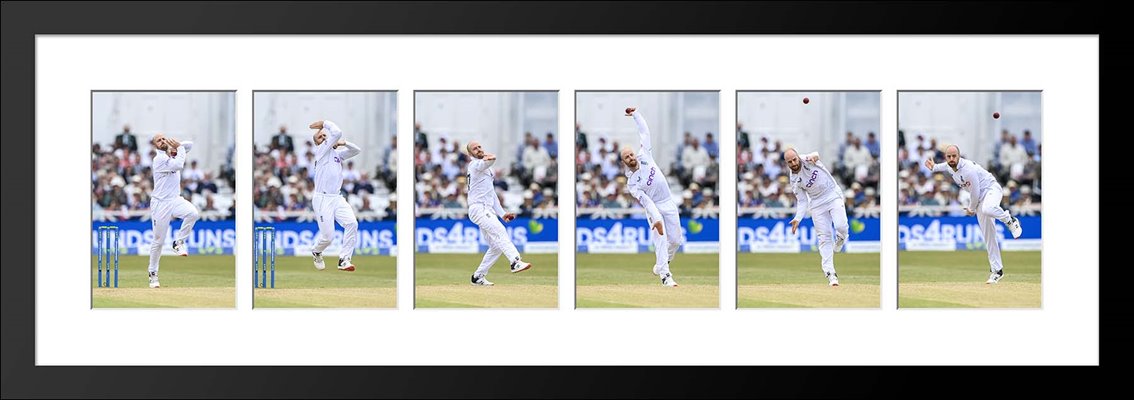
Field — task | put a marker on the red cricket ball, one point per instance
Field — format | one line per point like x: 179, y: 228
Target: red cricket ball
x: 995, y: 115
x: 806, y: 100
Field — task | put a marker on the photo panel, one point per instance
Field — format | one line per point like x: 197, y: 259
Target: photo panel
x: 162, y: 199
x: 486, y: 226
x: 970, y: 199
x: 325, y: 207
x: 808, y: 216
x: 647, y: 204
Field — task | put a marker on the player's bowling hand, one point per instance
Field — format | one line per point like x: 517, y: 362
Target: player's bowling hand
x: 341, y: 142
x: 630, y: 111
x: 509, y: 217
x: 658, y: 226
x: 929, y: 163
x: 794, y: 226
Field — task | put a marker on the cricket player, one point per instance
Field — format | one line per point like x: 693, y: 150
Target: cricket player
x: 484, y: 208
x: 166, y: 202
x: 817, y: 192
x: 328, y: 203
x: 648, y: 185
x: 985, y: 195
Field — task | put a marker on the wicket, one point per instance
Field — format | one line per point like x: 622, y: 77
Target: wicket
x: 263, y: 243
x: 107, y: 241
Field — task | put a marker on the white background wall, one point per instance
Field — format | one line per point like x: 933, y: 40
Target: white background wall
x: 497, y: 120
x: 368, y: 119
x: 965, y: 118
x: 206, y: 118
x: 821, y: 125
x: 669, y: 114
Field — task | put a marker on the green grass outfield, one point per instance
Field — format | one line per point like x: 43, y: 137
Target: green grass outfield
x: 796, y: 280
x: 204, y: 281
x: 372, y: 284
x: 627, y: 281
x: 442, y: 281
x: 956, y: 279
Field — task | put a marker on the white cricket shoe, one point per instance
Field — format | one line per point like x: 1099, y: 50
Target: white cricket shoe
x: 995, y: 277
x: 346, y: 265
x: 480, y: 281
x: 520, y: 266
x: 1015, y: 228
x: 833, y: 279
x: 319, y: 264
x: 154, y: 280
x: 180, y: 248
x: 667, y: 280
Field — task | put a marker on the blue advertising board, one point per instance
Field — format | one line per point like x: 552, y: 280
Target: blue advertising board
x: 761, y: 235
x: 963, y: 233
x: 632, y: 235
x: 135, y: 237
x: 539, y: 235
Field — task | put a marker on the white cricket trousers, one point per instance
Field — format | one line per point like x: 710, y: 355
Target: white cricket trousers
x: 666, y: 246
x: 987, y: 215
x: 331, y: 208
x: 161, y: 212
x: 832, y: 213
x: 494, y: 233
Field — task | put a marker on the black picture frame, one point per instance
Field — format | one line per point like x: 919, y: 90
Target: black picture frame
x: 23, y: 21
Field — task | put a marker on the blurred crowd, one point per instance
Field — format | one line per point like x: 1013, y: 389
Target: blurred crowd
x: 284, y: 178
x: 122, y: 179
x: 600, y: 179
x: 763, y: 174
x: 1015, y: 163
x: 526, y: 187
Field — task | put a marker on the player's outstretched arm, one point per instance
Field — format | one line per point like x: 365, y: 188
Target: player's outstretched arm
x: 802, y: 203
x: 482, y: 163
x: 973, y: 202
x: 936, y: 167
x: 500, y: 212
x: 651, y: 211
x: 643, y: 128
x: 186, y: 146
x: 347, y: 149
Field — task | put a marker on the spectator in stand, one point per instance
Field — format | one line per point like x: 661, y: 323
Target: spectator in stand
x: 1013, y: 157
x: 873, y: 145
x: 282, y: 141
x: 1029, y: 143
x: 711, y: 146
x: 551, y: 146
x: 126, y: 140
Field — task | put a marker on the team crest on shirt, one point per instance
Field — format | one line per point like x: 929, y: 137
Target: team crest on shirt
x: 338, y: 160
